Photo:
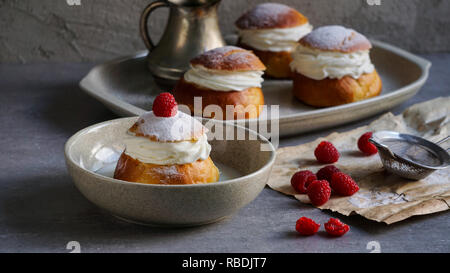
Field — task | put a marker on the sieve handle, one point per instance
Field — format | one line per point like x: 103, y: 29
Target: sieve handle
x: 444, y: 140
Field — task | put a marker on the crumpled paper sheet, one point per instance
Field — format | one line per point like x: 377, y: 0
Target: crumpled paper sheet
x: 382, y: 197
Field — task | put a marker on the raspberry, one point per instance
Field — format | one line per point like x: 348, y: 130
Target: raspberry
x: 343, y: 184
x: 365, y: 146
x: 326, y: 152
x: 326, y: 172
x: 334, y: 227
x: 165, y: 105
x: 306, y: 226
x: 319, y: 192
x: 301, y: 180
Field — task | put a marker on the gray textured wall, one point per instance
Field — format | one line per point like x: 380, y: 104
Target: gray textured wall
x: 51, y: 30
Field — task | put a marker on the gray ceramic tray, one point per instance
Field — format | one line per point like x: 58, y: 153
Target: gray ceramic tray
x: 126, y: 87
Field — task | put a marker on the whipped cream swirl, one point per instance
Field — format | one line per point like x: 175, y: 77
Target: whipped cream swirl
x: 167, y: 153
x: 274, y: 39
x: 220, y: 80
x: 318, y: 65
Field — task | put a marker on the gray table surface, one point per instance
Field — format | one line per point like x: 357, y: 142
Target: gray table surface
x: 41, y: 106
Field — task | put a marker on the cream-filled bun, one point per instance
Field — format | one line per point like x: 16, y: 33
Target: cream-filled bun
x: 166, y: 150
x: 272, y: 31
x: 224, y: 76
x: 332, y: 66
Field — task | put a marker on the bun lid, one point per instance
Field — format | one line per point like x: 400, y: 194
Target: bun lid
x: 271, y: 15
x: 336, y: 38
x: 181, y: 127
x: 229, y: 58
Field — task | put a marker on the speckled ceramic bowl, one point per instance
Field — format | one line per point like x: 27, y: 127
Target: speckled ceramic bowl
x: 98, y: 146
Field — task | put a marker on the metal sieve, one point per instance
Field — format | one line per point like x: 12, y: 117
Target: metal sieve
x: 410, y: 156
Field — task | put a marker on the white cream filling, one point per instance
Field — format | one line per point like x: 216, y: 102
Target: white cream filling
x: 318, y: 65
x: 167, y: 153
x: 274, y: 39
x: 219, y: 80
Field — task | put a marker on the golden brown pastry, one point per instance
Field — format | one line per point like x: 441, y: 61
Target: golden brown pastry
x: 166, y: 147
x: 332, y: 66
x: 271, y: 31
x: 220, y: 77
x: 198, y: 172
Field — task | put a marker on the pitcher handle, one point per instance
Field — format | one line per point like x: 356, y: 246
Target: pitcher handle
x: 144, y: 19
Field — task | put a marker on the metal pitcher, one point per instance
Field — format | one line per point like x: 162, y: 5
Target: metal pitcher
x: 192, y: 28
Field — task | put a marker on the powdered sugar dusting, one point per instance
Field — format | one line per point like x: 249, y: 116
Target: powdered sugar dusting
x: 220, y: 50
x: 336, y: 38
x: 376, y: 198
x: 265, y: 15
x: 177, y: 128
x: 240, y: 57
x: 228, y: 58
x: 168, y: 173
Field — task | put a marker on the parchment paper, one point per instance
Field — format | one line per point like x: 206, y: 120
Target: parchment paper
x: 382, y: 197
